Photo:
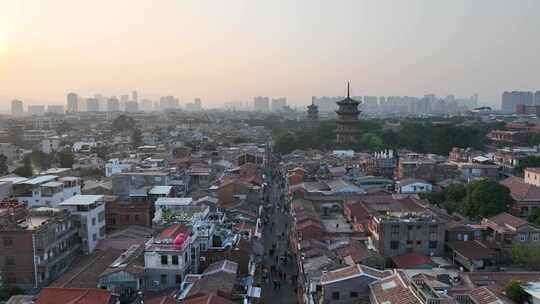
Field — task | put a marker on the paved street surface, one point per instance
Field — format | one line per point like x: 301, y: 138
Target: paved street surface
x: 278, y: 287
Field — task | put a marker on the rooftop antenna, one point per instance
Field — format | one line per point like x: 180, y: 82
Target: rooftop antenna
x: 348, y: 89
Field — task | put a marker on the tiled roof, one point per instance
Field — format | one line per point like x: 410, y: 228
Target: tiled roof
x: 411, y: 260
x: 506, y: 219
x: 350, y: 272
x: 223, y: 265
x: 473, y: 250
x: 172, y: 231
x: 483, y: 295
x: 208, y: 299
x: 392, y: 290
x: 52, y: 295
x: 520, y: 190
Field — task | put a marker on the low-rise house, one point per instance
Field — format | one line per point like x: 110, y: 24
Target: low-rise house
x: 349, y: 284
x: 505, y: 230
x: 54, y: 295
x: 411, y: 185
x: 472, y: 255
x: 44, y: 189
x: 38, y: 244
x: 90, y: 210
x: 167, y: 257
x: 123, y: 213
x: 394, y: 289
x: 125, y: 276
x: 526, y: 195
x: 115, y: 166
x: 218, y: 279
x: 474, y: 171
x: 400, y: 225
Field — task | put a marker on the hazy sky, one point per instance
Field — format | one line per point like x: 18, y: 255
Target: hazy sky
x: 231, y: 50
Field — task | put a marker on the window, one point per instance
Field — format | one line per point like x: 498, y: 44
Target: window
x: 93, y: 221
x: 432, y: 244
x: 94, y: 237
x: 175, y: 260
x: 433, y: 229
x: 185, y: 257
x: 522, y: 237
x: 163, y: 279
x: 178, y: 279
x: 535, y: 237
x: 10, y: 261
x: 410, y: 227
x: 8, y: 242
x: 394, y: 245
x: 164, y: 259
x: 418, y: 242
x: 354, y: 294
x: 335, y: 295
x: 101, y: 216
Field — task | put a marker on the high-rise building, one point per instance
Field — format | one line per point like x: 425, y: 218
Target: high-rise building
x: 135, y: 96
x: 57, y: 109
x: 92, y: 105
x: 36, y: 110
x: 261, y: 104
x: 123, y: 100
x: 510, y: 100
x: 132, y: 106
x: 72, y: 103
x: 146, y: 105
x: 17, y: 107
x: 194, y: 106
x: 113, y: 104
x: 279, y: 103
x: 168, y: 103
x: 347, y: 122
x: 537, y: 98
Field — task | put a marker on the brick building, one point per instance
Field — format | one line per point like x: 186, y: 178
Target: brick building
x: 37, y: 245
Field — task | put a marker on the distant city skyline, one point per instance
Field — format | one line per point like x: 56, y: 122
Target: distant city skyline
x: 235, y: 50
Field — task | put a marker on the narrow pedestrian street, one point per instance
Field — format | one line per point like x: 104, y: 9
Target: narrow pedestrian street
x: 279, y: 268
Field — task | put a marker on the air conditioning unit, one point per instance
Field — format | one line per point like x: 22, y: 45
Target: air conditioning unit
x: 155, y: 283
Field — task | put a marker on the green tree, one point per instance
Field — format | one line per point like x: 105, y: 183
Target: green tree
x: 63, y: 127
x: 123, y: 123
x: 528, y: 162
x: 6, y: 291
x: 16, y: 136
x: 486, y: 198
x: 136, y: 138
x: 515, y: 292
x: 534, y: 218
x: 3, y: 165
x: 26, y: 169
x: 455, y: 192
x: 66, y: 159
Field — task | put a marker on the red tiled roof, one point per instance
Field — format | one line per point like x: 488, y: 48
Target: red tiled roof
x: 208, y: 299
x: 483, y: 295
x: 53, y: 295
x: 506, y: 219
x: 172, y: 231
x: 411, y: 260
x: 393, y: 290
x: 520, y: 190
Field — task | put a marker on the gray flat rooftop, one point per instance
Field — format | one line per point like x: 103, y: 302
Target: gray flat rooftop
x: 81, y: 200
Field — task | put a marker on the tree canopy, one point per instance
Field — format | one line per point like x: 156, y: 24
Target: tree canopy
x: 123, y: 123
x: 419, y: 136
x: 486, y: 198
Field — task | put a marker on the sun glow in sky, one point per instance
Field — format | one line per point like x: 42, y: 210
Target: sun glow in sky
x: 236, y: 49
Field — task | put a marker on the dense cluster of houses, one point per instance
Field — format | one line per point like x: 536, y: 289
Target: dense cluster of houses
x: 362, y: 230
x: 175, y: 219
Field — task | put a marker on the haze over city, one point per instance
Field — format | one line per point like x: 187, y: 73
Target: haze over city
x: 234, y: 50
